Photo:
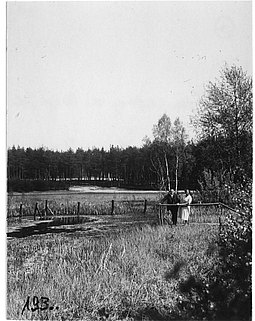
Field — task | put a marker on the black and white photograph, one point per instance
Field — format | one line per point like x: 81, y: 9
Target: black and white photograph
x: 129, y: 160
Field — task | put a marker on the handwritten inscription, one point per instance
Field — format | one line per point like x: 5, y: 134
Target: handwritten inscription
x: 35, y: 304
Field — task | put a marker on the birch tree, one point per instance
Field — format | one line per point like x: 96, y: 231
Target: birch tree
x: 179, y: 137
x: 162, y: 132
x: 167, y: 150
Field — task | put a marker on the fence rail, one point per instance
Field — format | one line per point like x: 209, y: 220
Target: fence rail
x: 213, y: 216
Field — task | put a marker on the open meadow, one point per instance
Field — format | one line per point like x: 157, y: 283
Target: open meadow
x: 136, y: 274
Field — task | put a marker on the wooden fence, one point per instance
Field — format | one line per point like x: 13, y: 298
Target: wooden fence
x: 46, y: 211
x: 215, y: 213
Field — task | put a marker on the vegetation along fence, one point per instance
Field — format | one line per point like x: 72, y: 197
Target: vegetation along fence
x: 200, y: 212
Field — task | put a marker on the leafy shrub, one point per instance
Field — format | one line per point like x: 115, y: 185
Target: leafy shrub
x: 235, y: 242
x: 226, y: 293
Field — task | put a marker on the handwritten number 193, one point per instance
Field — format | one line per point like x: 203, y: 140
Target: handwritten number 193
x: 36, y: 304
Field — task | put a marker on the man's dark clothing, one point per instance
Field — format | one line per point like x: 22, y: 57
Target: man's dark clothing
x: 172, y: 199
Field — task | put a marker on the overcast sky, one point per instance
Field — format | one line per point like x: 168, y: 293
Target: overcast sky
x: 84, y: 74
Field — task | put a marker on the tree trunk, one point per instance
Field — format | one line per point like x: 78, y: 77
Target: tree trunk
x: 176, y: 172
x: 167, y: 173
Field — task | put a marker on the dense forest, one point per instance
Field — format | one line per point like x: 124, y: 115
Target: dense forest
x: 130, y: 166
x: 222, y: 151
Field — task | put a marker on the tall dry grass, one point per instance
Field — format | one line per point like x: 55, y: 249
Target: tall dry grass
x: 90, y: 204
x: 132, y: 275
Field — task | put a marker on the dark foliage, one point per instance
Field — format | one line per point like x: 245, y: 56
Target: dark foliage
x: 43, y: 169
x: 227, y: 293
x: 18, y: 185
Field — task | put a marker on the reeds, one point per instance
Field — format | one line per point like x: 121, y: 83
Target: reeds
x: 116, y: 277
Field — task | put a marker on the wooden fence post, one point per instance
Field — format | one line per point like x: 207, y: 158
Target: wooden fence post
x: 112, y: 207
x: 219, y: 224
x: 145, y: 207
x: 35, y: 211
x: 78, y: 209
x: 160, y: 222
x: 46, y: 208
x: 20, y: 211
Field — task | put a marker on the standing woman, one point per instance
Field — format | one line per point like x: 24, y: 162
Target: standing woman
x: 185, y: 208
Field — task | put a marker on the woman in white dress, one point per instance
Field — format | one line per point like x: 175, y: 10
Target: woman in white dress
x: 185, y: 207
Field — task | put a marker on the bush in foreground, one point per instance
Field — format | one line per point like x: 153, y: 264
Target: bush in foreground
x: 226, y: 294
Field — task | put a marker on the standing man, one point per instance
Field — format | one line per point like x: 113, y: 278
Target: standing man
x: 172, y: 198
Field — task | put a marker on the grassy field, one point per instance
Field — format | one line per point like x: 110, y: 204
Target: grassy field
x: 131, y: 275
x: 90, y: 203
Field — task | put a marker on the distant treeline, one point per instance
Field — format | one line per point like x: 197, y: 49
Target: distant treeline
x: 41, y: 169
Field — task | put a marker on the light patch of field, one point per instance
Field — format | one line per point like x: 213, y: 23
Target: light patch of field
x: 98, y: 189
